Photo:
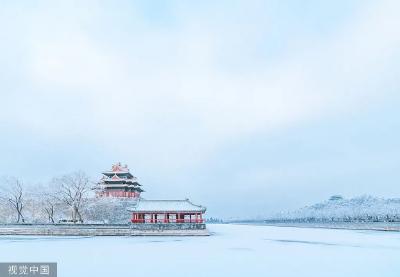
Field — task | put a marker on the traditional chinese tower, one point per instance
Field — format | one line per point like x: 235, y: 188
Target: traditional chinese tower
x: 118, y: 182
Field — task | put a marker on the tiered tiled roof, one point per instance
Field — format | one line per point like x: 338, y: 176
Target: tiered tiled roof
x: 118, y: 169
x: 162, y: 206
x: 119, y: 177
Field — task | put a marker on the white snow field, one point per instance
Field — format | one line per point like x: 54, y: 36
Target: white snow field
x: 231, y: 250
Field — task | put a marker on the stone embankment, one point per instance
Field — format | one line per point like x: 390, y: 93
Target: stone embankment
x: 182, y: 229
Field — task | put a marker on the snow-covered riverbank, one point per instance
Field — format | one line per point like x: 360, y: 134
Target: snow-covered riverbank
x: 371, y: 226
x: 170, y: 229
x: 232, y: 250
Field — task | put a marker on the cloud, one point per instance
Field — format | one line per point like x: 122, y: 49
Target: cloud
x: 173, y: 90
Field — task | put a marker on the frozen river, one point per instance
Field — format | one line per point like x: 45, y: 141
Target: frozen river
x: 232, y: 250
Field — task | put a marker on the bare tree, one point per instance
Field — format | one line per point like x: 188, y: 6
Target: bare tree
x: 49, y: 209
x: 49, y: 201
x: 14, y: 194
x: 72, y: 189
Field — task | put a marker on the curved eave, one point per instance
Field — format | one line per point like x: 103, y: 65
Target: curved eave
x: 163, y: 212
x: 115, y: 186
x: 119, y: 182
x: 111, y: 173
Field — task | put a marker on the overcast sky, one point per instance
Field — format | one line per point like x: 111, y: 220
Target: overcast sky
x: 246, y: 107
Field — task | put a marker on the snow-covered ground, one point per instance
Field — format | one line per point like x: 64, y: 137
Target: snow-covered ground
x: 232, y: 250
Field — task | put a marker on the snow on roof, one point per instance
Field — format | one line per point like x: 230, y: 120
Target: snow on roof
x: 118, y: 169
x: 115, y: 177
x: 166, y: 206
x: 119, y: 181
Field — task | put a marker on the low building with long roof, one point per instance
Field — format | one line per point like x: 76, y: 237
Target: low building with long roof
x: 166, y: 211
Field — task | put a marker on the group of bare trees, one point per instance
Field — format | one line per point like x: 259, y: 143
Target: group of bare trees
x: 14, y: 195
x: 66, y: 191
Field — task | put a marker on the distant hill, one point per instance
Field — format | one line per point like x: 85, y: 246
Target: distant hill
x: 337, y: 208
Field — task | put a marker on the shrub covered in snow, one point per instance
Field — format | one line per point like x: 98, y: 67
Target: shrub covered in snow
x: 108, y: 210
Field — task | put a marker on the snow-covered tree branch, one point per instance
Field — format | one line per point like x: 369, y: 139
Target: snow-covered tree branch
x: 71, y: 190
x: 13, y: 193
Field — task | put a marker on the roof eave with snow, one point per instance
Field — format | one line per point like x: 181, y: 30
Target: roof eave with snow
x: 166, y: 206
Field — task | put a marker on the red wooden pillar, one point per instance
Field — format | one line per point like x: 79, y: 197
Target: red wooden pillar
x: 181, y: 217
x: 135, y: 218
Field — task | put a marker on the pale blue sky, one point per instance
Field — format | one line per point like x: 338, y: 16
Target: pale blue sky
x: 247, y: 107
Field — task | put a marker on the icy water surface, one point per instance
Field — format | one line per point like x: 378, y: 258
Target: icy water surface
x: 232, y: 250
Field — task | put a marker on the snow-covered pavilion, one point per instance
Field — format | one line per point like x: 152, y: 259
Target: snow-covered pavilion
x: 166, y: 211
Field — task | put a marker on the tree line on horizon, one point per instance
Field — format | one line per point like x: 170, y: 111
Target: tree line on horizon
x: 363, y: 208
